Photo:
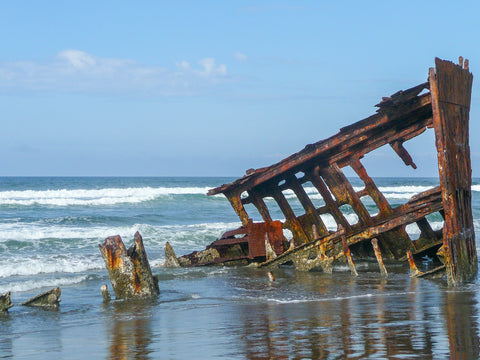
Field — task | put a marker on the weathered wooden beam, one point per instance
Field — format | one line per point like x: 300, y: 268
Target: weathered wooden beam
x: 129, y: 270
x: 451, y: 87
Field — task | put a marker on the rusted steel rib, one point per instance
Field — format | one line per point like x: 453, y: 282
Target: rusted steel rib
x: 378, y: 255
x: 414, y: 272
x: 347, y: 253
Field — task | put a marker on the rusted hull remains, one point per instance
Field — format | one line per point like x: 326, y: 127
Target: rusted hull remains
x: 442, y: 103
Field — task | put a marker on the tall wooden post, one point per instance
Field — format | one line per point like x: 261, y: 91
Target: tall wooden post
x: 451, y: 87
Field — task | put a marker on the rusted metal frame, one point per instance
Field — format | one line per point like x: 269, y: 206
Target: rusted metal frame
x: 425, y: 229
x: 402, y: 96
x: 371, y: 188
x: 378, y: 255
x: 347, y: 253
x: 420, y: 206
x: 451, y: 93
x: 393, y: 223
x: 414, y: 272
x: 229, y: 241
x: 343, y: 191
x: 408, y: 216
x: 235, y: 200
x: 397, y: 145
x: 334, y: 243
x: 330, y: 203
x: 397, y: 241
x: 311, y: 215
x: 349, y: 134
x: 292, y: 223
x: 343, y: 156
x: 258, y: 202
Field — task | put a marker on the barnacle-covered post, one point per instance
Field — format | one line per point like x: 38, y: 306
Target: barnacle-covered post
x: 451, y: 88
x: 129, y: 270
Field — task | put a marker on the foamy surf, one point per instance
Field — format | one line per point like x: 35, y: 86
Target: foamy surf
x: 132, y: 195
x: 34, y: 232
x: 27, y: 285
x: 49, y: 264
x: 96, y: 197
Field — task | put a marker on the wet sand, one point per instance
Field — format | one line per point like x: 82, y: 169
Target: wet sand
x: 237, y: 313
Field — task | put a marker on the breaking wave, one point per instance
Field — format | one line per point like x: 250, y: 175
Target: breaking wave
x: 96, y: 197
x: 132, y: 195
x: 26, y: 285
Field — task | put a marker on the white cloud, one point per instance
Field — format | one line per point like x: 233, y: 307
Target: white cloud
x: 77, y: 71
x: 78, y: 59
x: 210, y: 69
x: 240, y: 57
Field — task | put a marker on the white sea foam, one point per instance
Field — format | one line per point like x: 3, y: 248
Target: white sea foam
x: 390, y: 192
x: 61, y: 237
x: 84, y: 197
x: 49, y: 264
x: 26, y: 285
x: 112, y: 196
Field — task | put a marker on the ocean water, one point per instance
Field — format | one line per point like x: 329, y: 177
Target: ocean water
x: 50, y: 229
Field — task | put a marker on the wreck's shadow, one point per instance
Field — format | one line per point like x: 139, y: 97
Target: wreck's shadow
x: 130, y: 331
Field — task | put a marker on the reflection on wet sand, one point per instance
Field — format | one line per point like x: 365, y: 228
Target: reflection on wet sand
x: 130, y: 332
x: 400, y: 317
x: 461, y: 314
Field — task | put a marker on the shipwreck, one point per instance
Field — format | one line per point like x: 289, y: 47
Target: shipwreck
x: 442, y: 104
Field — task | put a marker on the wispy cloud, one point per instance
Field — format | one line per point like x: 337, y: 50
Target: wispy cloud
x: 240, y: 56
x: 77, y: 71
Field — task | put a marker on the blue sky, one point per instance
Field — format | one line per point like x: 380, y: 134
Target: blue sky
x: 212, y: 88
